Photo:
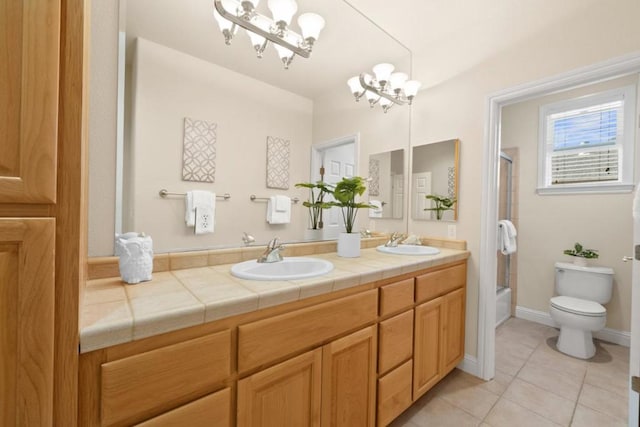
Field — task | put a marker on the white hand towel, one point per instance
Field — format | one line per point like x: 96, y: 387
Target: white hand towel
x: 198, y: 199
x: 377, y: 211
x: 279, y: 217
x: 506, y: 237
x: 204, y: 220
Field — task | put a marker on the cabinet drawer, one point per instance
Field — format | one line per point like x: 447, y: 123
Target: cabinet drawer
x: 440, y: 282
x: 141, y: 386
x: 212, y: 410
x: 396, y: 296
x: 394, y: 393
x: 267, y: 340
x: 395, y: 341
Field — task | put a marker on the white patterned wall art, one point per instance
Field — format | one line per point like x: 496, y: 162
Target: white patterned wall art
x: 278, y: 150
x: 451, y: 181
x: 374, y: 174
x: 199, y: 151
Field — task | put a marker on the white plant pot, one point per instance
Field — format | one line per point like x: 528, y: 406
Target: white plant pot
x: 349, y: 245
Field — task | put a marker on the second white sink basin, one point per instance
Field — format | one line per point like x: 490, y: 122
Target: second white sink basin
x: 408, y: 250
x: 294, y: 268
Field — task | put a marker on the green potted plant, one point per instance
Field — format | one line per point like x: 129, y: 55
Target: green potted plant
x: 581, y: 254
x: 442, y: 204
x: 345, y: 193
x: 315, y: 204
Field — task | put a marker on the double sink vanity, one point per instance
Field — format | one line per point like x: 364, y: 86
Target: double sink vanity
x: 199, y: 346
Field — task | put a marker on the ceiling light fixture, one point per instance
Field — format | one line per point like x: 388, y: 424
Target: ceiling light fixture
x: 231, y: 14
x: 384, y: 87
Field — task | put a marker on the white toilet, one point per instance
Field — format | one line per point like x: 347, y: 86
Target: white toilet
x: 578, y: 307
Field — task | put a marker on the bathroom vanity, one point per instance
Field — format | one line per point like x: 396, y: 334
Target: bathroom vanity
x: 378, y: 332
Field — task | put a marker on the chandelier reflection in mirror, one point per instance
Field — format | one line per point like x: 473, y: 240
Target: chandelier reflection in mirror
x: 385, y: 87
x: 231, y: 14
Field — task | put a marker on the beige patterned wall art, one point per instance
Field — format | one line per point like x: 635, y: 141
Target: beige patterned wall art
x: 374, y: 174
x: 278, y: 163
x: 199, y: 151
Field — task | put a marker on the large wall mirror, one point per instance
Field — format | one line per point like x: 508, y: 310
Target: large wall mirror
x: 434, y: 175
x: 386, y: 184
x: 177, y: 67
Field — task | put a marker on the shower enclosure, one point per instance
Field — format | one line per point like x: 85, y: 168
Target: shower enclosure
x: 505, y: 210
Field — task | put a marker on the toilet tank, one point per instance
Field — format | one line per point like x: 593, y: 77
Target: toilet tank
x: 590, y: 283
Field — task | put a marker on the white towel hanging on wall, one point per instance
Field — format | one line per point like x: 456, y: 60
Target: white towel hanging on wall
x: 279, y: 210
x: 507, y: 237
x: 200, y: 211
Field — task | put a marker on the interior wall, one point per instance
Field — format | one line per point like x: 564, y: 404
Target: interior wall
x: 169, y: 86
x: 457, y: 108
x: 551, y: 223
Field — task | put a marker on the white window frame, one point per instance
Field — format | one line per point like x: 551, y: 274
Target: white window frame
x: 625, y: 183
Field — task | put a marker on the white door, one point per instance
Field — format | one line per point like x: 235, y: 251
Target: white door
x: 420, y: 189
x: 634, y: 359
x: 338, y: 162
x: 398, y: 197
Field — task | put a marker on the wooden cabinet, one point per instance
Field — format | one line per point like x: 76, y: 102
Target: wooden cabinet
x: 438, y: 340
x: 26, y: 321
x: 354, y: 360
x: 30, y: 37
x: 349, y: 380
x: 287, y: 394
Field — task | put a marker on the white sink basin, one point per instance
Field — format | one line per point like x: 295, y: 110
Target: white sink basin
x: 288, y: 269
x: 409, y: 250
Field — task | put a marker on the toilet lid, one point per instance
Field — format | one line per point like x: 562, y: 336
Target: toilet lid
x: 578, y: 306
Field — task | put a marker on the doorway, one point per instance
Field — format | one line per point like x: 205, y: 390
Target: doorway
x: 488, y: 249
x: 330, y: 162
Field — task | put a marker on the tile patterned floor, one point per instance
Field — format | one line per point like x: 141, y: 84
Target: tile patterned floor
x: 535, y: 385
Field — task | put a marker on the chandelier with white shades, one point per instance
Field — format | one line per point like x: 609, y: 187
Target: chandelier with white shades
x: 231, y: 14
x: 385, y: 87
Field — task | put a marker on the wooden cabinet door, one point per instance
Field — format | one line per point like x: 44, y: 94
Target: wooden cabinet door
x: 428, y: 325
x: 453, y: 333
x: 26, y: 321
x: 349, y: 380
x: 287, y: 394
x: 29, y: 55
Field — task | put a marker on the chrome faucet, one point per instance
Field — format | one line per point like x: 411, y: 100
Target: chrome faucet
x: 365, y: 233
x: 272, y: 253
x: 394, y: 240
x: 248, y: 238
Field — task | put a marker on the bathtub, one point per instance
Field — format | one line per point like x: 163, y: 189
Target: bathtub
x: 503, y: 305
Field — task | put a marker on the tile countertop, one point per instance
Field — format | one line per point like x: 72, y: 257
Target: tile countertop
x: 113, y: 312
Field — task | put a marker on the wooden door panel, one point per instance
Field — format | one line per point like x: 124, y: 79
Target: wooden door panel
x: 453, y: 336
x: 29, y: 101
x: 287, y: 394
x: 349, y: 380
x: 26, y: 321
x: 427, y: 346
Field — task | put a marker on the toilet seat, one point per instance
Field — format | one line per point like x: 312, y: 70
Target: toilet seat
x: 578, y: 306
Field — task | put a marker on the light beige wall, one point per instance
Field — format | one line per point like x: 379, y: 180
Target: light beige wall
x: 169, y: 86
x: 549, y: 224
x: 456, y: 108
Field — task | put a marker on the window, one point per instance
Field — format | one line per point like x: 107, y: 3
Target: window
x: 586, y: 144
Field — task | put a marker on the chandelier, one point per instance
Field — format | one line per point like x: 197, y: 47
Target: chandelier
x: 385, y: 87
x: 231, y: 14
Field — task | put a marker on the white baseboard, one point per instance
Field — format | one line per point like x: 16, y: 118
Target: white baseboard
x: 470, y: 365
x: 622, y: 338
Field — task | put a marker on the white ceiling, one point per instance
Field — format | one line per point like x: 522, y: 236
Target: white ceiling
x: 448, y: 37
x: 348, y: 45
